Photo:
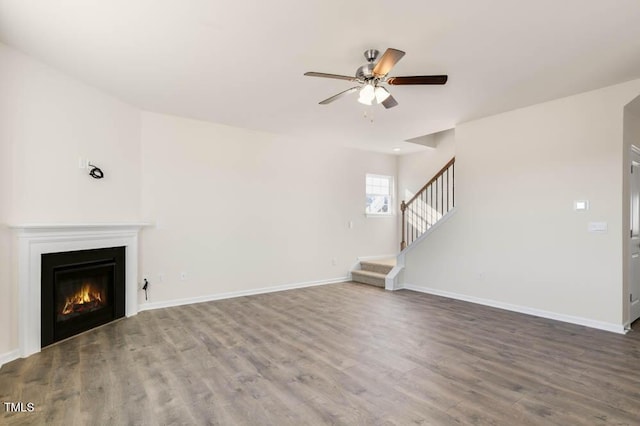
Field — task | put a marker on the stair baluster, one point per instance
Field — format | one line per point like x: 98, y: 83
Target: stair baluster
x: 428, y: 205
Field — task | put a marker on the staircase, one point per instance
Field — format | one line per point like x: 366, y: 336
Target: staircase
x: 433, y: 202
x: 373, y: 272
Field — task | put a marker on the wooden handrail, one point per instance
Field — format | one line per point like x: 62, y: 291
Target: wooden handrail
x: 433, y: 179
x: 420, y: 220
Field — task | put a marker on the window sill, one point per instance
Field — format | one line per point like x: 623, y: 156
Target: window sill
x: 379, y: 215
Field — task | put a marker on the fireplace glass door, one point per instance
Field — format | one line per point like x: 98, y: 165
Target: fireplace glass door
x: 81, y: 290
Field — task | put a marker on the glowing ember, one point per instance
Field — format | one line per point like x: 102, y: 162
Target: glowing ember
x: 86, y: 299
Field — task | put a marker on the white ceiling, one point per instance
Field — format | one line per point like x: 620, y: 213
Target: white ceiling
x: 241, y: 63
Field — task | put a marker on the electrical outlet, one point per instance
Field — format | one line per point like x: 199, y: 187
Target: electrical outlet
x: 160, y: 277
x: 183, y: 276
x: 334, y: 261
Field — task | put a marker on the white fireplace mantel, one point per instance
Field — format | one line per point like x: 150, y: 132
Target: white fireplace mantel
x: 37, y: 239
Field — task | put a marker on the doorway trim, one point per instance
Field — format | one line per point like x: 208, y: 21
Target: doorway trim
x: 634, y: 159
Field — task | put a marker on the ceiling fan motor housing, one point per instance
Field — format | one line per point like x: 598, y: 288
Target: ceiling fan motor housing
x: 365, y: 72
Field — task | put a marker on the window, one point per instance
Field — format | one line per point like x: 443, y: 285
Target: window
x: 379, y: 191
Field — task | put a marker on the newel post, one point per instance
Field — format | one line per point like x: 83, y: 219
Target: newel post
x: 403, y: 243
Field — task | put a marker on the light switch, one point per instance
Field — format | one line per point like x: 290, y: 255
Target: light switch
x: 581, y: 205
x: 597, y: 227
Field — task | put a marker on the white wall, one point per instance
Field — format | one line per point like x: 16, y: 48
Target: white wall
x: 47, y: 121
x: 516, y: 238
x: 51, y: 120
x: 239, y: 210
x: 8, y: 301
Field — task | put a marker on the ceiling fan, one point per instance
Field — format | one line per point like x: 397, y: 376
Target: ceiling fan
x: 371, y: 78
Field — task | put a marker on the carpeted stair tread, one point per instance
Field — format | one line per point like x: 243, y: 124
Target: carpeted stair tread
x: 383, y: 266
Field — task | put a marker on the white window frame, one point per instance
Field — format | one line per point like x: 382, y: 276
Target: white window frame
x: 391, y: 181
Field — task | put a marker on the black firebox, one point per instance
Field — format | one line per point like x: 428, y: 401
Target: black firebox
x: 81, y: 290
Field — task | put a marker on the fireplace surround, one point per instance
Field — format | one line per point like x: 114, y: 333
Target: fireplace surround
x: 34, y: 240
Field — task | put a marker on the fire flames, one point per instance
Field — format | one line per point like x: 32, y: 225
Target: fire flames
x: 85, y: 299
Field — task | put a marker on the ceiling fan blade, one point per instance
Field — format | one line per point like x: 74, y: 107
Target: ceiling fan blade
x: 418, y: 79
x: 390, y: 102
x: 388, y: 61
x: 339, y: 95
x: 336, y: 76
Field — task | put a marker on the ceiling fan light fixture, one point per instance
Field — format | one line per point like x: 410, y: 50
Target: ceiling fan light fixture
x: 367, y: 94
x: 365, y: 101
x: 381, y: 94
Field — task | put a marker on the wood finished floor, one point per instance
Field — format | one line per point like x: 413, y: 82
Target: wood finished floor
x: 337, y: 354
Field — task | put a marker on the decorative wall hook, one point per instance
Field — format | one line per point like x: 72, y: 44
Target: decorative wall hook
x: 95, y: 172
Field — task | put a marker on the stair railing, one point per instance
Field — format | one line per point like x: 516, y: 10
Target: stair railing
x: 428, y: 205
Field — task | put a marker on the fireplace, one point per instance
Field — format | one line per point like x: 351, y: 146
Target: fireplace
x: 81, y: 290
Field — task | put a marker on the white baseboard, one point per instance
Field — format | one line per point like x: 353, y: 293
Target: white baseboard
x: 615, y: 328
x: 9, y: 356
x: 232, y: 294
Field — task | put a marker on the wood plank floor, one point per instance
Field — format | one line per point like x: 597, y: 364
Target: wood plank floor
x: 337, y: 354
